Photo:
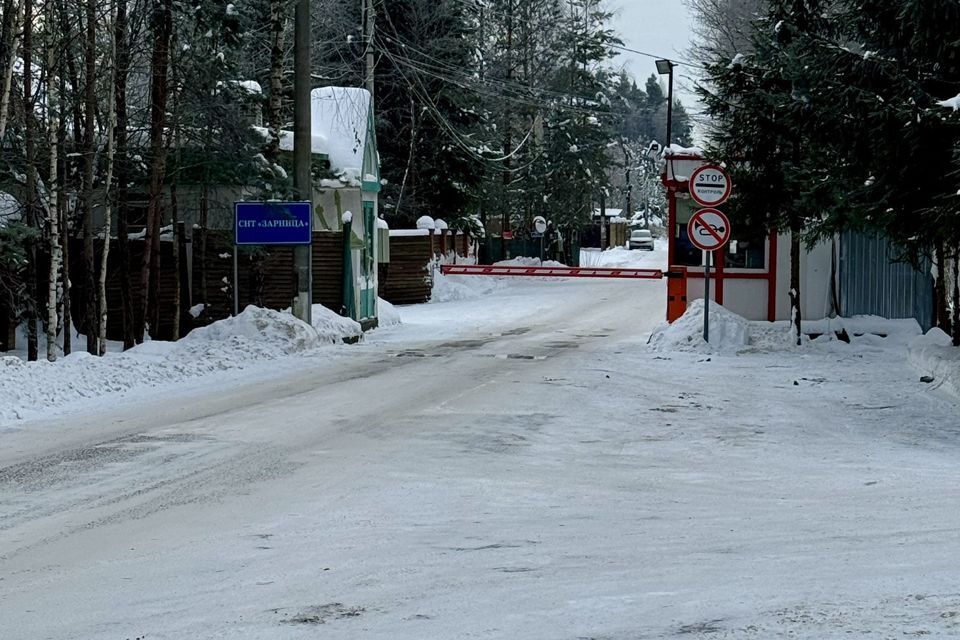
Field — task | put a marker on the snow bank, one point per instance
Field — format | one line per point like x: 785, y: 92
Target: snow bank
x: 451, y: 288
x: 387, y: 314
x: 934, y: 355
x: 29, y: 389
x: 627, y: 258
x: 332, y: 327
x: 528, y: 262
x: 270, y: 329
x: 728, y: 331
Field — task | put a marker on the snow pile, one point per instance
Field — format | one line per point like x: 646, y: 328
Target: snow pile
x: 528, y: 262
x: 387, y: 314
x: 627, y: 258
x: 30, y: 389
x: 728, y: 331
x: 866, y: 332
x: 934, y: 355
x: 452, y: 288
x: 332, y: 327
x: 273, y: 330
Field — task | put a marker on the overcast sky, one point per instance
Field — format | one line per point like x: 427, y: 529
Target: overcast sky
x: 658, y: 27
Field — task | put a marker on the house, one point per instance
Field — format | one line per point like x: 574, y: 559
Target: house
x: 349, y: 201
x: 344, y: 138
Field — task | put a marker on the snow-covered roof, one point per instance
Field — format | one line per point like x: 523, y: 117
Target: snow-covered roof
x: 341, y: 115
x: 677, y: 150
x: 251, y: 86
x: 610, y: 213
x: 318, y: 144
x: 338, y: 119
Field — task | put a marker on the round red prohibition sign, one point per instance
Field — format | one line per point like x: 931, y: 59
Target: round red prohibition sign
x: 708, y: 229
x: 710, y: 186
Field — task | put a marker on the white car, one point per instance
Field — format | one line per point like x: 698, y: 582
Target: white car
x: 641, y: 239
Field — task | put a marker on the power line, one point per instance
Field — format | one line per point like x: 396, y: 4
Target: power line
x: 515, y: 92
x: 680, y: 61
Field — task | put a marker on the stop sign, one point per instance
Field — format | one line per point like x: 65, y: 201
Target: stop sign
x: 710, y: 185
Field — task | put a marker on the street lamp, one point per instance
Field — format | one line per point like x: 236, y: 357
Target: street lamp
x: 665, y: 68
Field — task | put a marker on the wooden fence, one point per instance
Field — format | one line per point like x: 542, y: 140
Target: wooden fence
x: 267, y: 275
x: 406, y: 279
x: 267, y: 278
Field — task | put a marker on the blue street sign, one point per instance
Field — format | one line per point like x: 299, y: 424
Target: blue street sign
x: 273, y: 222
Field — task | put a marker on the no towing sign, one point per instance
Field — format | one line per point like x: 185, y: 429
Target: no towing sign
x: 708, y: 229
x: 710, y: 186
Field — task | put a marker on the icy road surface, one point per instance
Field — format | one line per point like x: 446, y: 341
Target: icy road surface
x: 517, y: 466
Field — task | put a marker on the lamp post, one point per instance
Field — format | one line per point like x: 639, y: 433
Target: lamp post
x: 665, y: 68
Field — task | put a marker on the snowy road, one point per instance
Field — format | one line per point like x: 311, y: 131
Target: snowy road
x: 514, y: 466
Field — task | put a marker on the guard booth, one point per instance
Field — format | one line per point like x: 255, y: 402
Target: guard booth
x: 744, y: 273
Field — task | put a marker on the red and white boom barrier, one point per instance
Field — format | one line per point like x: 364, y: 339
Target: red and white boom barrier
x: 552, y: 272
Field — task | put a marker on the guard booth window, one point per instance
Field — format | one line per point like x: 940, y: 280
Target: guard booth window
x: 747, y: 249
x: 684, y: 253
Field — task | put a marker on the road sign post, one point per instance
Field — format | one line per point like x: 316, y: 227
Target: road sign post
x: 274, y: 223
x: 708, y: 229
x: 539, y: 228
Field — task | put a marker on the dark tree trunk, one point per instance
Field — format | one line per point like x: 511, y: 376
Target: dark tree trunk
x: 122, y: 170
x: 30, y: 210
x: 274, y: 112
x: 64, y: 231
x: 65, y: 267
x: 174, y: 219
x: 91, y: 308
x: 795, y: 249
x: 204, y: 214
x: 66, y: 26
x: 6, y: 32
x: 158, y: 102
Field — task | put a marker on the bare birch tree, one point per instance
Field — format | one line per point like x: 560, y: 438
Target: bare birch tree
x: 122, y: 66
x: 108, y: 195
x: 53, y: 185
x: 723, y: 26
x: 89, y: 156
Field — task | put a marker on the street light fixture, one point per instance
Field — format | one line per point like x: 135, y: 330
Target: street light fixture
x: 665, y: 68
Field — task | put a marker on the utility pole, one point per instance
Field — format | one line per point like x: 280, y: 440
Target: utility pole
x: 506, y: 203
x: 369, y: 18
x: 302, y: 139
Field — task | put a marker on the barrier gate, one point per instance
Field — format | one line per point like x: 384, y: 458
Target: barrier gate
x: 676, y: 278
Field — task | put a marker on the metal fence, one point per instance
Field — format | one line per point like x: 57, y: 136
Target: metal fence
x: 873, y: 282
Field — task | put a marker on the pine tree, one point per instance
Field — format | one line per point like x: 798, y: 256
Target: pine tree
x: 763, y: 117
